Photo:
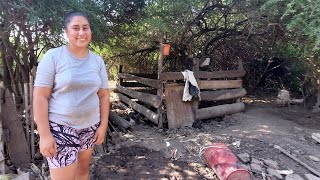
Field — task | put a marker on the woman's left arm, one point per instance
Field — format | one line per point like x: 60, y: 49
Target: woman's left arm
x: 104, y: 99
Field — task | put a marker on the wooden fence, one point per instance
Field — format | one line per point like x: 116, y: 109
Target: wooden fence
x: 222, y: 87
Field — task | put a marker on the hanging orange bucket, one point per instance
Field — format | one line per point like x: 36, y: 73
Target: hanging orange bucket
x: 166, y: 49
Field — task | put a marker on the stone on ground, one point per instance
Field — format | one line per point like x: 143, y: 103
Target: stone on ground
x: 274, y: 173
x: 244, y: 157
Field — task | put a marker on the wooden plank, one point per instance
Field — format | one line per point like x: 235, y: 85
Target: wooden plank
x: 220, y: 84
x: 222, y: 94
x: 139, y: 108
x: 179, y: 113
x: 150, y: 82
x: 204, y: 74
x: 150, y: 99
x: 132, y: 84
x: 219, y: 111
x: 149, y: 76
x: 18, y: 147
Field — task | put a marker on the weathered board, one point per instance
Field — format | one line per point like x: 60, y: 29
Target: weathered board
x: 18, y: 146
x: 220, y: 84
x: 204, y: 74
x: 149, y: 82
x: 223, y: 94
x: 179, y: 113
x: 150, y: 99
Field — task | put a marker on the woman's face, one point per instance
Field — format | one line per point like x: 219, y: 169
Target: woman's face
x: 78, y: 32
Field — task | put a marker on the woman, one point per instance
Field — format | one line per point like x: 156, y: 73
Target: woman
x: 71, y: 102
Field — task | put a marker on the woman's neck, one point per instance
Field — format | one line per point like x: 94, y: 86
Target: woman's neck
x: 78, y: 52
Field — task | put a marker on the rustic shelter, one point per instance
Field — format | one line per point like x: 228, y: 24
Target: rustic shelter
x: 222, y: 88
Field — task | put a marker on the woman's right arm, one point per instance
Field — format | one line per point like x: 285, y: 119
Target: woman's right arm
x: 41, y: 97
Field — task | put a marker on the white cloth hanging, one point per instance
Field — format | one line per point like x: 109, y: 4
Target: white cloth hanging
x: 190, y: 80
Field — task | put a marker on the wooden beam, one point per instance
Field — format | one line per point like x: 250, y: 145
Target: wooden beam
x: 222, y: 94
x: 220, y: 84
x: 139, y: 108
x: 204, y: 74
x: 149, y: 76
x: 219, y: 111
x: 146, y: 81
x: 160, y: 87
x: 133, y: 84
x: 150, y: 99
x: 121, y: 123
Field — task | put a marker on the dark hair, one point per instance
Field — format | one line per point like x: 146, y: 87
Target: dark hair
x: 67, y: 17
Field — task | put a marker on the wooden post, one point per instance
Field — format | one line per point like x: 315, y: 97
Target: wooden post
x: 240, y: 67
x: 26, y: 104
x: 2, y: 158
x: 195, y: 101
x: 160, y: 89
x: 119, y: 78
x: 32, y: 121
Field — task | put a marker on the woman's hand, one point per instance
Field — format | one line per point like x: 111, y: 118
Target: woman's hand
x: 48, y: 145
x: 98, y: 137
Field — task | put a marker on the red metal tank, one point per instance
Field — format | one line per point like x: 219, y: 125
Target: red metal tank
x: 221, y: 159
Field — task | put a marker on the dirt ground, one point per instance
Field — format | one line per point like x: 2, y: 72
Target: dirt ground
x: 147, y: 152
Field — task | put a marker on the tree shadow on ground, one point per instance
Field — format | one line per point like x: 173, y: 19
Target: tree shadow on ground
x: 137, y: 162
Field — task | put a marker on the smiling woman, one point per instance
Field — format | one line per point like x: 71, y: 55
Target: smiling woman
x: 71, y: 102
x: 78, y: 31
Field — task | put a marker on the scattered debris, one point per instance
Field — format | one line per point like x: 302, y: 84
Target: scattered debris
x: 314, y: 158
x: 311, y: 177
x: 256, y: 161
x: 293, y: 177
x: 236, y: 144
x: 274, y: 173
x: 271, y: 163
x: 297, y: 160
x: 316, y: 136
x: 285, y: 172
x: 255, y: 167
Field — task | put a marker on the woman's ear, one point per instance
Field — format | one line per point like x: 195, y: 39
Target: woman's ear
x: 65, y: 34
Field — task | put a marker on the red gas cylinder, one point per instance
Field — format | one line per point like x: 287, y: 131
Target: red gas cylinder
x: 221, y: 159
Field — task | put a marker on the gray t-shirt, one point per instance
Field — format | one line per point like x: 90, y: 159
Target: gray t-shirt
x: 75, y: 82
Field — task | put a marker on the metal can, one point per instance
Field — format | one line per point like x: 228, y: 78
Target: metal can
x: 225, y: 164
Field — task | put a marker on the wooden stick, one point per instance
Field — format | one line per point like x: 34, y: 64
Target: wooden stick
x: 32, y: 120
x: 297, y: 160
